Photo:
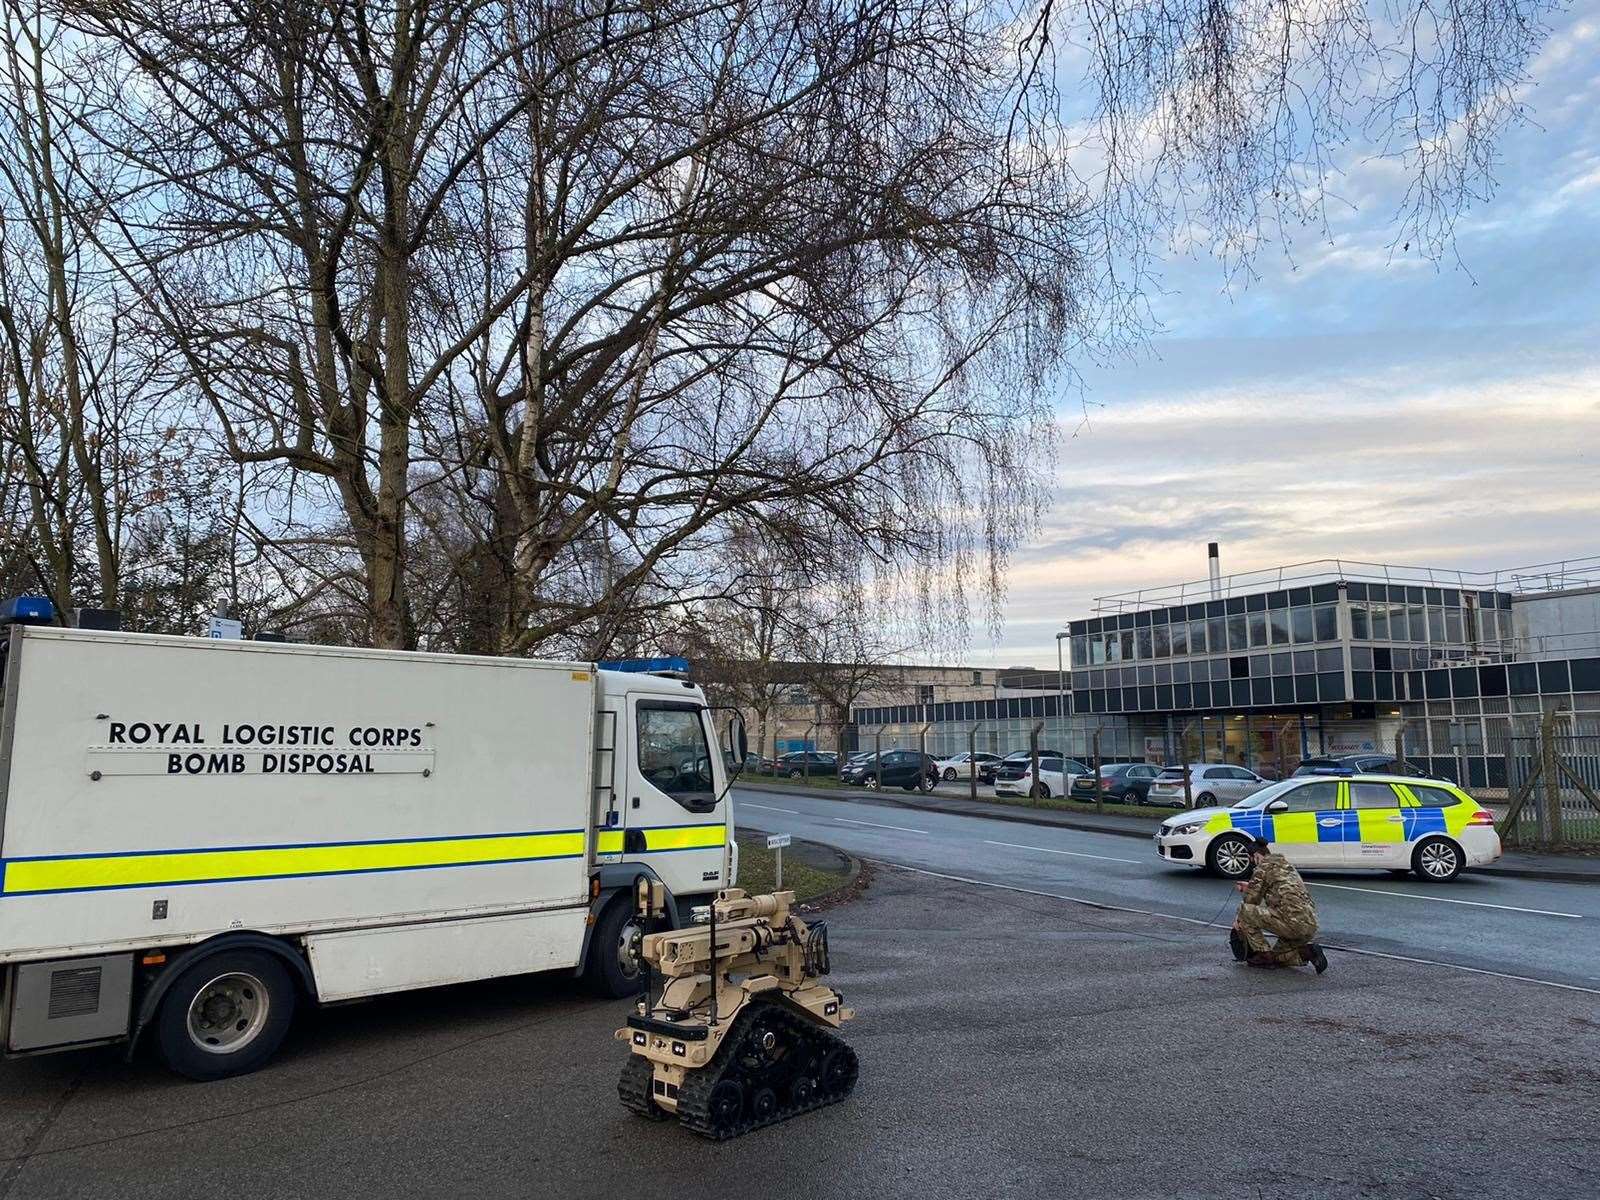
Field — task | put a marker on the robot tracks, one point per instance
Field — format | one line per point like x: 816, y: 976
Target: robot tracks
x: 772, y: 1065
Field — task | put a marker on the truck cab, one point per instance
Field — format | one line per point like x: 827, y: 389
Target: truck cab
x: 662, y: 806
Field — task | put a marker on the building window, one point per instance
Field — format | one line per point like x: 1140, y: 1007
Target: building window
x: 977, y: 678
x: 1197, y: 637
x: 1327, y: 620
x: 1358, y: 622
x: 1300, y: 622
x: 1238, y: 632
x: 924, y: 693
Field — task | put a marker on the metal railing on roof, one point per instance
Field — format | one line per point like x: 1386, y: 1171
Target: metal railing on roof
x: 1563, y: 575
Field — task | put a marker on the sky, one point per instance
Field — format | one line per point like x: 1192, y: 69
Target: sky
x: 1355, y: 401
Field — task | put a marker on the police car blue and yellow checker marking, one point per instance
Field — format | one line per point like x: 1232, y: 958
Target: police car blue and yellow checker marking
x: 102, y: 872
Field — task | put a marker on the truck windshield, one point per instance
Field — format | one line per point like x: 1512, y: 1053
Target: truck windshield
x: 674, y: 755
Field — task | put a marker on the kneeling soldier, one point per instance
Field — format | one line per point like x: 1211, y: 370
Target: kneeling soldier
x: 1276, y: 902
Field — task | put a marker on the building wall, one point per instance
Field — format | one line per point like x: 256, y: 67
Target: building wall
x: 1557, y: 624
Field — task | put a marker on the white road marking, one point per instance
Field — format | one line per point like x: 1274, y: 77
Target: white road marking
x: 1538, y: 912
x: 1074, y: 853
x: 793, y: 812
x: 1145, y: 912
x: 871, y: 825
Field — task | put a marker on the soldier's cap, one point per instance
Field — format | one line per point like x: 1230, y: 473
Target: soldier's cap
x: 1260, y: 846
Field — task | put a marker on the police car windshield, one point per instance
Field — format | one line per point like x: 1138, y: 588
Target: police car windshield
x: 1268, y: 794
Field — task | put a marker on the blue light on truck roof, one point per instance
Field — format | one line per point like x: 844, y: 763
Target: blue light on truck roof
x: 647, y: 666
x: 27, y: 610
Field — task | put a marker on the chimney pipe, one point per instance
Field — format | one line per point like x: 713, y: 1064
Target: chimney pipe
x: 1216, y: 570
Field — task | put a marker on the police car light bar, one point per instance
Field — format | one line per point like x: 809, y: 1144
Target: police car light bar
x: 648, y: 666
x: 27, y: 610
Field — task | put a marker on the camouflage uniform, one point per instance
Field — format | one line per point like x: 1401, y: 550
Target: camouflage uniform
x: 1276, y: 901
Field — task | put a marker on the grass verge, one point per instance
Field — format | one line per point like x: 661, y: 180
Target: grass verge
x: 758, y: 871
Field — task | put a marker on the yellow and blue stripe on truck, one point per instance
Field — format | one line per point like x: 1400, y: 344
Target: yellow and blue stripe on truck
x: 49, y: 874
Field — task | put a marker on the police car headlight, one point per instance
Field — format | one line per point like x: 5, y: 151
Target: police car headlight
x: 1192, y: 827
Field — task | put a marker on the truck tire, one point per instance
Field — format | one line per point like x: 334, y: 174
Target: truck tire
x: 613, y: 967
x: 226, y: 1014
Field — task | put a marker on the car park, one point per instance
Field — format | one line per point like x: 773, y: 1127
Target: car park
x: 1391, y: 822
x: 903, y: 768
x: 961, y: 766
x: 1209, y: 784
x: 1126, y: 783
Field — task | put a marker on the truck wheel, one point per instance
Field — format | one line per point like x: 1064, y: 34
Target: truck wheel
x: 226, y: 1014
x: 613, y: 966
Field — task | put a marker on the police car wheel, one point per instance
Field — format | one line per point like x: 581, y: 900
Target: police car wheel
x: 1229, y: 856
x: 226, y: 1014
x: 1437, y: 860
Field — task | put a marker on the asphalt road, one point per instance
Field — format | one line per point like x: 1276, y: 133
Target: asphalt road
x: 1541, y: 930
x: 1011, y: 1046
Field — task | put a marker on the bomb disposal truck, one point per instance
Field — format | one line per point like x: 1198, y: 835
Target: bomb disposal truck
x: 198, y: 836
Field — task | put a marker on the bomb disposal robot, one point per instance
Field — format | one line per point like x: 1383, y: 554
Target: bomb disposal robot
x: 741, y: 1034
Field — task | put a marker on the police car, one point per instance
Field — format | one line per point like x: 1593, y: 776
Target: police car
x: 1394, y: 822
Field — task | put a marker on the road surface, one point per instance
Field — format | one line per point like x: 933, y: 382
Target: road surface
x: 1528, y: 928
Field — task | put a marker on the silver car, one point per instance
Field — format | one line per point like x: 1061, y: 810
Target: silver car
x: 1209, y: 784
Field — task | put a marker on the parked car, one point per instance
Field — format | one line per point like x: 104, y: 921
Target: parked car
x: 1055, y: 778
x: 904, y: 768
x: 1015, y: 764
x: 1209, y: 784
x: 1126, y: 783
x: 799, y: 764
x: 956, y: 766
x: 1394, y: 822
x: 1356, y: 764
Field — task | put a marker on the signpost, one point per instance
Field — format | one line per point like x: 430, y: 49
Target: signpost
x: 776, y: 842
x: 226, y: 627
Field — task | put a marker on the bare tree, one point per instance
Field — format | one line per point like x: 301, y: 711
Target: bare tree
x: 517, y: 320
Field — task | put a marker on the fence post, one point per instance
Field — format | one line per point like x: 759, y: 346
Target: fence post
x: 877, y: 759
x: 972, y: 759
x: 1183, y: 763
x: 805, y: 760
x: 1552, y: 782
x: 1033, y: 761
x: 922, y: 763
x: 1400, y: 751
x: 1099, y: 797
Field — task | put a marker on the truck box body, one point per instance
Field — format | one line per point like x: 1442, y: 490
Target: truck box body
x: 164, y: 790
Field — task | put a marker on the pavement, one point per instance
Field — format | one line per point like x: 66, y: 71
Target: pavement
x: 1537, y: 928
x: 1012, y: 1045
x: 946, y: 799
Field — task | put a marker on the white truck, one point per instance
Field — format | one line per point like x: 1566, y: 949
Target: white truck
x: 197, y: 836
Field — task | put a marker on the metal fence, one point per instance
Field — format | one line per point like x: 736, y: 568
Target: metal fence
x: 1553, y: 788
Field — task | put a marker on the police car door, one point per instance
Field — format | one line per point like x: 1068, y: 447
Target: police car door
x: 1310, y: 830
x: 1382, y: 837
x: 675, y: 822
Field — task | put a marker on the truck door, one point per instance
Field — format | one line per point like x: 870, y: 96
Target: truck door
x: 674, y: 820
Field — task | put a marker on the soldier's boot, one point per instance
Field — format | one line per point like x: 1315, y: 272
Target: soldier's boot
x: 1312, y: 953
x: 1266, y: 959
x: 1236, y: 943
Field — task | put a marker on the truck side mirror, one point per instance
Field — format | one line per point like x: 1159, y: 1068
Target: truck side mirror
x: 737, y: 741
